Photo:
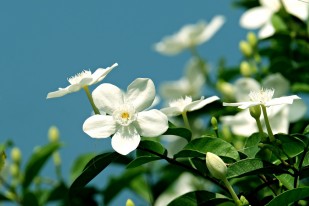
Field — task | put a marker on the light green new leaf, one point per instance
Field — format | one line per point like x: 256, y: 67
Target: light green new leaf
x: 37, y: 161
x: 290, y: 196
x: 199, y: 148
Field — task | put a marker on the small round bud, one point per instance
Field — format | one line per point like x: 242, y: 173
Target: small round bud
x: 214, y: 123
x: 53, y: 134
x: 216, y: 166
x: 16, y: 155
x: 245, y: 69
x: 255, y: 111
x: 130, y: 203
x: 226, y: 89
x: 251, y: 37
x: 14, y: 170
x: 245, y: 48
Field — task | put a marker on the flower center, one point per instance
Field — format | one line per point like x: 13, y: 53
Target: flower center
x: 262, y: 96
x: 125, y: 114
x: 181, y: 103
x: 79, y: 76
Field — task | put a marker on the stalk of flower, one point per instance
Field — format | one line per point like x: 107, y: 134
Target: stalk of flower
x: 264, y: 99
x: 125, y: 118
x: 183, y: 105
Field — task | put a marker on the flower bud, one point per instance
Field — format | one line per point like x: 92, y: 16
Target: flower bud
x: 53, y: 134
x: 245, y: 48
x: 216, y: 166
x: 245, y: 69
x: 130, y: 203
x: 255, y: 111
x: 251, y: 38
x: 214, y: 123
x: 226, y: 89
x: 14, y: 170
x: 16, y: 155
x: 57, y: 159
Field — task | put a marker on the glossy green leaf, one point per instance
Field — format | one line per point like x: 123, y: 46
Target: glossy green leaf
x: 251, y: 145
x: 199, y: 147
x: 150, y: 148
x: 290, y: 196
x: 252, y: 167
x: 287, y: 180
x: 178, y: 131
x: 92, y: 169
x: 37, y: 161
x: 79, y: 164
x: 290, y: 145
x: 199, y: 198
x: 278, y: 23
x: 306, y: 130
x: 141, y: 160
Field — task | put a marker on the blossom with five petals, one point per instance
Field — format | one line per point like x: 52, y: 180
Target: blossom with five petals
x: 125, y: 116
x: 80, y: 80
x: 189, y: 36
x: 186, y: 104
x: 260, y: 17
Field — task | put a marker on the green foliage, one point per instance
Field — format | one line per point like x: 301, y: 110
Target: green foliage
x: 290, y: 196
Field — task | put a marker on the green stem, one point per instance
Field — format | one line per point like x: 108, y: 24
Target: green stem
x: 95, y: 109
x: 232, y: 192
x: 269, y: 131
x: 185, y: 119
x: 259, y: 125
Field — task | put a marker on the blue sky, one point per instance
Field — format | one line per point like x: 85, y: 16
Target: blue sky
x: 42, y: 43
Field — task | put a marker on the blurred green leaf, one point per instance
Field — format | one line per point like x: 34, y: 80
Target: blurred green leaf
x: 92, y: 169
x: 290, y: 196
x: 199, y: 147
x: 278, y: 23
x: 117, y: 184
x: 199, y: 198
x: 181, y: 132
x: 79, y: 164
x: 306, y: 130
x: 252, y: 167
x: 251, y: 145
x: 37, y: 161
x: 4, y: 198
x: 30, y: 199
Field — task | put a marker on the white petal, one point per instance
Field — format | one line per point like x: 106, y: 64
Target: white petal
x: 61, y: 92
x: 273, y: 5
x: 125, y: 140
x: 141, y: 93
x: 168, y: 46
x: 241, y: 105
x: 277, y: 82
x: 243, y: 86
x: 297, y: 110
x: 99, y: 126
x: 107, y: 97
x: 195, y: 105
x: 171, y: 111
x: 101, y: 73
x: 297, y: 8
x: 281, y: 100
x: 210, y: 29
x: 151, y: 123
x: 280, y: 122
x: 266, y: 31
x: 255, y: 18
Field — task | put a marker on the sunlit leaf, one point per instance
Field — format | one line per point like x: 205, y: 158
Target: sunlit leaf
x: 290, y: 196
x: 287, y: 180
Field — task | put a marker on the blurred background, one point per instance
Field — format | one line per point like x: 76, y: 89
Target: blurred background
x: 42, y: 43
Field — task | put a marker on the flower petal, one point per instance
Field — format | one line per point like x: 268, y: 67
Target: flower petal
x: 210, y: 29
x: 266, y: 31
x: 277, y: 82
x: 282, y: 100
x: 61, y: 92
x: 195, y: 105
x: 171, y: 111
x: 99, y: 126
x: 243, y: 86
x: 125, y: 140
x: 107, y: 97
x: 297, y: 8
x: 255, y: 18
x: 151, y: 123
x: 241, y: 105
x: 141, y: 93
x: 101, y: 73
x: 297, y: 110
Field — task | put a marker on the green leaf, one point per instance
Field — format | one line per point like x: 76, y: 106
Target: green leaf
x: 251, y: 145
x: 290, y: 196
x: 199, y: 147
x: 92, y: 169
x: 278, y: 23
x: 287, y: 180
x: 37, y: 161
x: 306, y: 130
x: 181, y: 132
x: 199, y: 198
x: 4, y: 198
x: 251, y: 167
x: 290, y: 145
x: 30, y: 199
x: 79, y: 164
x: 141, y: 160
x: 116, y: 185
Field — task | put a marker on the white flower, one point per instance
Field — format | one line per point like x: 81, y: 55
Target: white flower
x: 126, y: 118
x: 189, y: 36
x: 191, y: 84
x: 80, y: 80
x: 260, y: 16
x: 186, y: 104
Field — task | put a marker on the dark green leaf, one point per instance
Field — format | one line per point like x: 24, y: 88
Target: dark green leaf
x: 4, y: 198
x: 92, y: 169
x: 290, y: 196
x: 251, y: 145
x: 79, y: 164
x: 141, y: 160
x: 290, y: 145
x: 199, y: 148
x: 306, y: 130
x: 37, y: 161
x: 287, y: 180
x: 181, y: 132
x: 199, y: 198
x: 150, y: 148
x: 252, y: 167
x: 30, y: 199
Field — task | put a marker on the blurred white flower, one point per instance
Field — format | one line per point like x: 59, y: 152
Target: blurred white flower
x: 186, y: 104
x: 280, y: 116
x: 80, y: 80
x: 260, y: 17
x: 189, y: 36
x: 126, y: 118
x: 191, y: 84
